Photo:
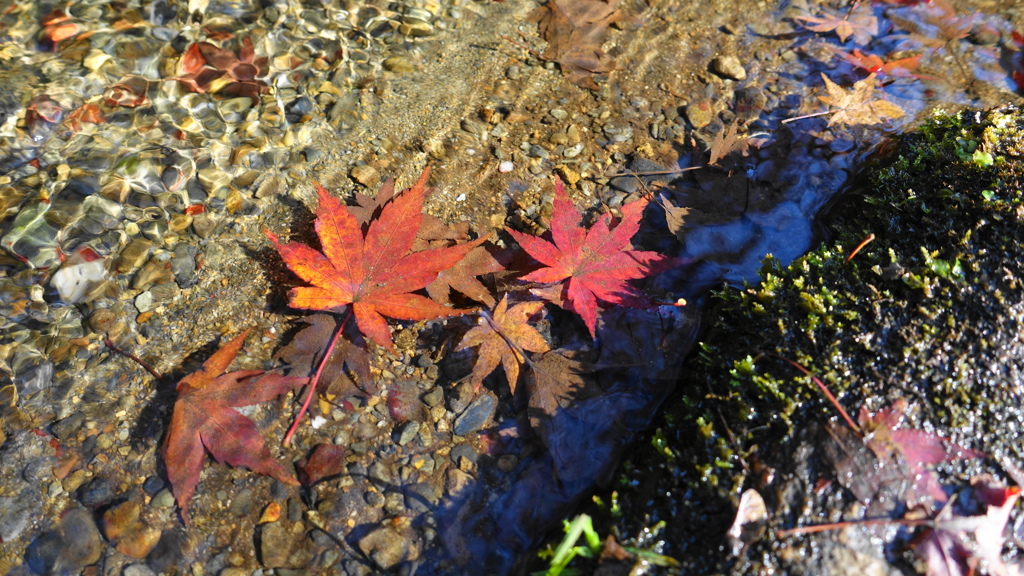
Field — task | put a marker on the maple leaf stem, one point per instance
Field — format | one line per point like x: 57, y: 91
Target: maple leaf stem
x: 842, y: 412
x: 148, y: 368
x: 311, y: 387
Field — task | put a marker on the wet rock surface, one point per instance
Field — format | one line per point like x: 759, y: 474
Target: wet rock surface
x: 134, y: 208
x: 914, y: 316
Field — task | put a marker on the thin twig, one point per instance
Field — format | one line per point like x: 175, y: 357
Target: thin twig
x: 842, y: 412
x: 867, y: 239
x: 311, y: 387
x: 804, y: 117
x: 846, y: 523
x: 148, y: 368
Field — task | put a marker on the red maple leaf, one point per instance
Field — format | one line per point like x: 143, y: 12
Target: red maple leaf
x: 204, y: 421
x: 874, y: 64
x: 375, y: 272
x: 593, y: 264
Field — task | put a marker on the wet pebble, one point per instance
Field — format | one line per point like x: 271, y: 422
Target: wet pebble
x: 183, y: 265
x: 15, y: 515
x: 242, y: 503
x: 476, y: 415
x: 399, y: 64
x: 538, y: 151
x: 139, y: 570
x: 409, y: 431
x: 365, y: 175
x: 282, y: 545
x: 434, y: 397
x: 617, y: 132
x: 67, y: 427
x: 699, y: 113
x: 728, y: 67
x: 73, y: 544
x: 457, y: 481
x: 386, y: 546
x: 96, y: 493
x: 153, y: 485
x: 144, y: 302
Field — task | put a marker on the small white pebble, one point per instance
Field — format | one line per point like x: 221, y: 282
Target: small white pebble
x: 506, y: 166
x: 460, y: 197
x: 317, y: 422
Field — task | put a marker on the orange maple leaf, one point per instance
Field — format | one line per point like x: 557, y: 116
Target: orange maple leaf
x: 375, y: 273
x: 504, y: 338
x: 204, y: 421
x: 595, y: 263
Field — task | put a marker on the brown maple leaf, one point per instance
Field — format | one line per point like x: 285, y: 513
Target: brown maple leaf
x: 857, y: 106
x: 375, y: 271
x: 575, y: 31
x: 861, y: 24
x: 591, y: 264
x: 504, y: 337
x: 204, y: 421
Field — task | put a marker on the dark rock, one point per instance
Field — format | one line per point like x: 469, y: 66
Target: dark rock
x: 153, y: 484
x: 294, y: 509
x: 97, y: 492
x: 460, y: 397
x: 73, y: 544
x: 422, y: 497
x: 461, y: 451
x: 476, y: 415
x: 68, y: 427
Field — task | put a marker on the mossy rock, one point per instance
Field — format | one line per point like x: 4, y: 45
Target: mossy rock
x: 931, y: 312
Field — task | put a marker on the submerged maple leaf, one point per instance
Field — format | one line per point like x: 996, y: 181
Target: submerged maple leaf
x: 575, y: 30
x: 204, y: 421
x: 857, y: 106
x: 873, y: 64
x: 593, y: 264
x: 375, y: 272
x: 861, y: 24
x: 504, y: 338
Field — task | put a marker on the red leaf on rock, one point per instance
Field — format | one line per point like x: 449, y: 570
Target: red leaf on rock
x: 327, y: 460
x: 593, y: 264
x: 375, y: 272
x: 957, y: 545
x: 204, y: 421
x: 915, y: 448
